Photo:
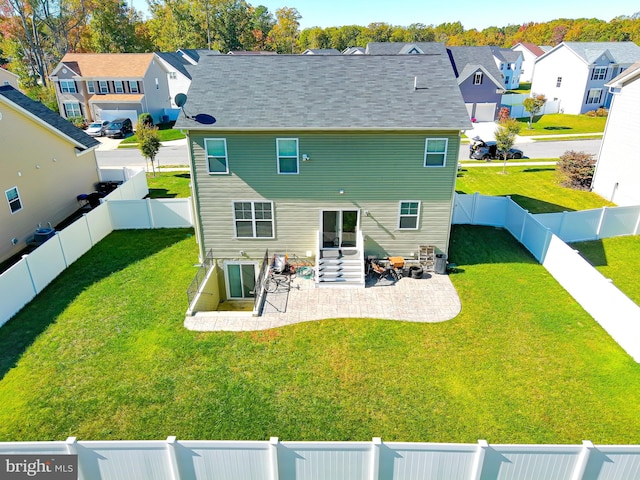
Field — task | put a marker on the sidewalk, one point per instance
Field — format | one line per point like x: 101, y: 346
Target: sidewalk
x: 107, y: 143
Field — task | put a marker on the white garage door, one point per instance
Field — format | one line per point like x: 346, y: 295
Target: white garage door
x: 469, y: 108
x: 485, y: 112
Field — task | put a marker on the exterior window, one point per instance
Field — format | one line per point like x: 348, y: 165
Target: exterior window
x: 216, y: 155
x: 509, y: 66
x: 104, y: 86
x: 157, y: 84
x: 287, y: 155
x: 68, y: 86
x: 558, y: 81
x: 133, y: 87
x: 477, y: 78
x: 173, y: 75
x: 13, y: 197
x: 599, y: 73
x: 72, y: 109
x: 409, y: 213
x: 594, y: 95
x: 6, y: 82
x: 435, y: 152
x: 253, y: 219
x: 506, y: 80
x: 118, y: 86
x: 91, y: 87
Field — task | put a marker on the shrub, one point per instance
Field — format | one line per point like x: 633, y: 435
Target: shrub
x: 576, y: 169
x: 78, y: 122
x: 503, y: 114
x: 600, y: 112
x: 145, y: 119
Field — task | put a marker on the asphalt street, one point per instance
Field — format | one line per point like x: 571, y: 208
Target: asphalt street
x: 175, y: 153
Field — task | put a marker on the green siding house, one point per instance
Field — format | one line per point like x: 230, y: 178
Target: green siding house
x: 330, y: 157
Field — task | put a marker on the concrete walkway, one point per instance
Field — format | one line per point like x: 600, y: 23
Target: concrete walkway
x: 429, y: 299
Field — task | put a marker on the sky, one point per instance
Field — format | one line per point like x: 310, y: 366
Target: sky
x: 478, y: 14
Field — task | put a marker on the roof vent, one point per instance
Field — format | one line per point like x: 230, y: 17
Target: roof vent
x: 415, y: 84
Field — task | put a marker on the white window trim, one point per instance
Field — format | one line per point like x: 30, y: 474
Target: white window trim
x: 68, y: 86
x: 91, y: 86
x: 297, y: 156
x: 444, y: 159
x: 477, y: 78
x: 226, y: 155
x: 133, y: 86
x: 416, y: 216
x: 6, y: 196
x: 599, y: 73
x: 253, y: 220
x: 102, y: 83
x: 118, y: 83
x: 595, y: 101
x: 66, y: 110
x: 225, y: 263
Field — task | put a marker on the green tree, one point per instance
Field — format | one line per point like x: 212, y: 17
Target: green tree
x: 148, y: 143
x: 284, y: 34
x: 505, y: 136
x: 112, y: 27
x: 533, y: 105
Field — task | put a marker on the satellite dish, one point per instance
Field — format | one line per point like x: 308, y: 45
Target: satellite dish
x: 205, y: 119
x: 180, y: 100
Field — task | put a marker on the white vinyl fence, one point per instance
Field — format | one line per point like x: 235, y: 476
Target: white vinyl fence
x: 122, y: 209
x: 515, y: 103
x: 375, y: 460
x: 544, y: 235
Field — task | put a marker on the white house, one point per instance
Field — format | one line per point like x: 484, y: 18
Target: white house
x: 509, y: 62
x: 617, y: 176
x: 574, y: 73
x: 8, y: 78
x: 530, y: 52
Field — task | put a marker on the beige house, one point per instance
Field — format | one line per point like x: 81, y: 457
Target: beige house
x: 8, y: 78
x: 106, y: 86
x: 45, y: 163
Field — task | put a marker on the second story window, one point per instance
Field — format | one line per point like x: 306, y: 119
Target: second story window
x: 216, y: 155
x: 104, y: 86
x: 119, y: 87
x: 408, y: 217
x: 435, y: 152
x: 558, y: 81
x: 287, y: 155
x: 595, y: 94
x: 599, y: 73
x: 13, y: 197
x: 173, y: 75
x: 68, y: 86
x: 133, y: 87
x: 477, y: 78
x: 91, y: 87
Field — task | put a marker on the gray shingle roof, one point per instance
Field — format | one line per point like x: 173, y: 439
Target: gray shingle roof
x: 466, y: 60
x: 505, y: 54
x: 82, y: 140
x: 396, y: 48
x: 325, y: 92
x: 622, y: 52
x: 321, y: 51
x: 177, y: 61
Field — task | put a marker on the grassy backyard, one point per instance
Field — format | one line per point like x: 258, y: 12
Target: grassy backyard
x: 102, y: 354
x: 534, y: 188
x: 169, y: 184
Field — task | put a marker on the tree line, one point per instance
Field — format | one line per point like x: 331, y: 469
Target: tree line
x: 35, y: 34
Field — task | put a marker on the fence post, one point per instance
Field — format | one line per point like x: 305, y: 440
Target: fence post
x: 376, y: 445
x: 86, y: 221
x: 600, y: 222
x: 173, y: 457
x: 635, y: 230
x: 273, y: 450
x: 524, y: 224
x: 72, y: 449
x: 33, y: 283
x: 64, y: 257
x: 473, y: 208
x: 583, y: 459
x: 478, y: 460
x: 150, y: 213
x: 564, y: 215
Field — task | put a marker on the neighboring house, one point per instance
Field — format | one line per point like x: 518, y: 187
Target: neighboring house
x: 353, y: 51
x: 250, y: 52
x: 574, y: 73
x: 106, y: 86
x: 530, y: 52
x: 8, y: 78
x: 330, y: 156
x: 178, y: 75
x: 617, y: 175
x: 321, y: 51
x: 45, y: 163
x: 509, y: 63
x: 404, y: 48
x: 479, y: 80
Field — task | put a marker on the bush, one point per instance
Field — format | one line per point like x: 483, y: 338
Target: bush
x: 503, y: 114
x: 600, y: 112
x: 145, y: 119
x: 79, y: 122
x: 576, y: 169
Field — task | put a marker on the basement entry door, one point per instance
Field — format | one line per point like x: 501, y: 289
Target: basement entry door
x: 339, y: 228
x: 241, y: 279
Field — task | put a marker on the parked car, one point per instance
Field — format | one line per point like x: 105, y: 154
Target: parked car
x: 96, y: 129
x: 118, y: 128
x: 481, y: 150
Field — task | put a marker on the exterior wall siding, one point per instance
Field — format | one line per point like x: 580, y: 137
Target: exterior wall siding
x: 618, y: 171
x: 483, y: 93
x: 156, y: 99
x: 375, y: 171
x: 46, y: 171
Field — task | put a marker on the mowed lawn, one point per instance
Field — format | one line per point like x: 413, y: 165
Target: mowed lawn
x: 534, y: 188
x: 562, y: 124
x: 102, y: 354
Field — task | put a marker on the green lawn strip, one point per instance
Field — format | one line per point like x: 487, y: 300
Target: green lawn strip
x: 617, y: 258
x: 169, y: 184
x: 521, y: 363
x: 560, y: 124
x: 165, y: 135
x: 535, y: 188
x: 568, y: 138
